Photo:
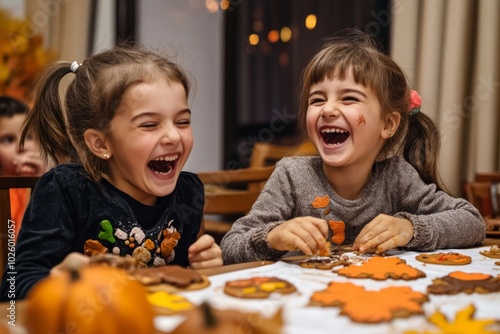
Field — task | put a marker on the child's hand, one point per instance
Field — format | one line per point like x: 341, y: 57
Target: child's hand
x: 308, y: 234
x: 71, y: 261
x: 204, y: 253
x: 383, y: 233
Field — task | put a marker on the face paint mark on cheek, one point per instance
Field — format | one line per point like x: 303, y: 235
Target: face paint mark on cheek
x: 361, y: 120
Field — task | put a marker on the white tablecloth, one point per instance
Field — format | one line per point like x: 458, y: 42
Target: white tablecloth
x: 301, y: 318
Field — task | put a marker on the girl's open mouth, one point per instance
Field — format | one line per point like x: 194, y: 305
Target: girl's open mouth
x: 163, y: 165
x: 333, y: 136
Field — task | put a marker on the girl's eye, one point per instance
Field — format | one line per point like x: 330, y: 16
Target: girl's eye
x: 350, y: 98
x: 148, y: 125
x: 315, y: 101
x: 7, y: 140
x: 184, y: 122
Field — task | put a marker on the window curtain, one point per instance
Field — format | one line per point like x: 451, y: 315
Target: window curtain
x: 449, y: 50
x: 64, y: 25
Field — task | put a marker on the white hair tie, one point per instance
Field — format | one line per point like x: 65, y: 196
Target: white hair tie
x: 74, y: 66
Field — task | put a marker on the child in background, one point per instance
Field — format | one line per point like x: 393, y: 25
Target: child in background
x: 16, y: 161
x: 376, y: 165
x: 120, y: 142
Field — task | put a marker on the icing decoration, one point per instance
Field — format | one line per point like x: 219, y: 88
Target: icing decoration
x: 137, y: 234
x: 149, y: 244
x: 458, y: 281
x: 141, y: 254
x: 361, y: 120
x: 171, y: 302
x: 93, y: 247
x: 116, y: 250
x: 381, y: 268
x: 321, y: 202
x: 338, y: 228
x: 366, y: 306
x: 469, y: 276
x: 121, y: 234
x: 463, y: 324
x: 171, y: 237
x: 107, y: 232
x: 444, y: 258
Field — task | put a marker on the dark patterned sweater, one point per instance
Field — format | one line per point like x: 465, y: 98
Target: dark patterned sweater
x: 394, y: 188
x: 68, y: 212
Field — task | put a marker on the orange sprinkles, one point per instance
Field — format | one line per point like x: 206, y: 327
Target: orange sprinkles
x: 321, y: 202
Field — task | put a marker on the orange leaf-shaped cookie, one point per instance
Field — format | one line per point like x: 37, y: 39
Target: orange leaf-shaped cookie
x: 338, y: 228
x: 381, y: 268
x: 370, y: 306
x: 321, y: 202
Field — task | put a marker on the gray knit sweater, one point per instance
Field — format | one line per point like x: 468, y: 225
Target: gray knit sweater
x: 395, y: 188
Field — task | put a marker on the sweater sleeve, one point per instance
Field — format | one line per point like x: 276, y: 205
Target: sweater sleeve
x: 247, y: 240
x: 44, y: 240
x: 439, y: 220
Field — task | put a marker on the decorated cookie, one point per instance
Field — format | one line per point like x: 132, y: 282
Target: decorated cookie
x: 325, y: 263
x: 493, y: 252
x: 459, y: 281
x: 258, y: 287
x: 381, y: 268
x: 127, y: 263
x: 450, y: 259
x: 463, y: 324
x: 167, y: 303
x: 208, y: 320
x: 370, y: 306
x: 170, y: 278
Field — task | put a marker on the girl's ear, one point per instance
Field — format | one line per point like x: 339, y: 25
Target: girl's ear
x: 391, y: 124
x: 96, y: 142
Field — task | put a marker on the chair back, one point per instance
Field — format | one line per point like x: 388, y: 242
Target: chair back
x: 267, y: 154
x: 6, y: 229
x: 230, y: 194
x: 485, y: 197
x: 487, y: 177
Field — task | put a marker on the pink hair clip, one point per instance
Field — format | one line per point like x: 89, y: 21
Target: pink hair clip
x: 415, y: 103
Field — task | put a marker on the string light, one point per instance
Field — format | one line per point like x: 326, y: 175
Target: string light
x: 311, y: 21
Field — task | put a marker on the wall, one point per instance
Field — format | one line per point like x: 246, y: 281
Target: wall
x: 195, y: 36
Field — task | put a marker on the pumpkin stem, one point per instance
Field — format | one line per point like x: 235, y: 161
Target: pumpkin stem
x: 208, y: 314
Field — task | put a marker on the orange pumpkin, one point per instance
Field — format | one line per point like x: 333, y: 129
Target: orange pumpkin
x: 92, y: 299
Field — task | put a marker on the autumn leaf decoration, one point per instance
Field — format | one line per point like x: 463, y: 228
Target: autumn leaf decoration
x: 463, y: 324
x: 337, y: 227
x: 366, y: 306
x: 22, y: 56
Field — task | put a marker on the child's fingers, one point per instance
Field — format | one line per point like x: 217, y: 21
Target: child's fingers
x: 204, y: 242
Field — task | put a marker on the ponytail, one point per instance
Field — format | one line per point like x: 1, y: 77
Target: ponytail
x: 421, y: 148
x: 47, y: 121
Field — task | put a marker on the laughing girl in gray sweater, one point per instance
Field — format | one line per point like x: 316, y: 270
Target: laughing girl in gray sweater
x: 376, y: 167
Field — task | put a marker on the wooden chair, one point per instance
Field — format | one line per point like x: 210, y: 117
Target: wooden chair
x: 267, y: 154
x: 479, y: 195
x: 487, y: 177
x: 7, y: 183
x: 230, y: 194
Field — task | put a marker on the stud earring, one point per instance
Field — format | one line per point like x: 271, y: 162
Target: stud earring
x: 106, y: 156
x: 389, y: 132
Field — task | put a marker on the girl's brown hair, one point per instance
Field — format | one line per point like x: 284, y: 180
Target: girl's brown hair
x: 417, y: 137
x: 91, y: 101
